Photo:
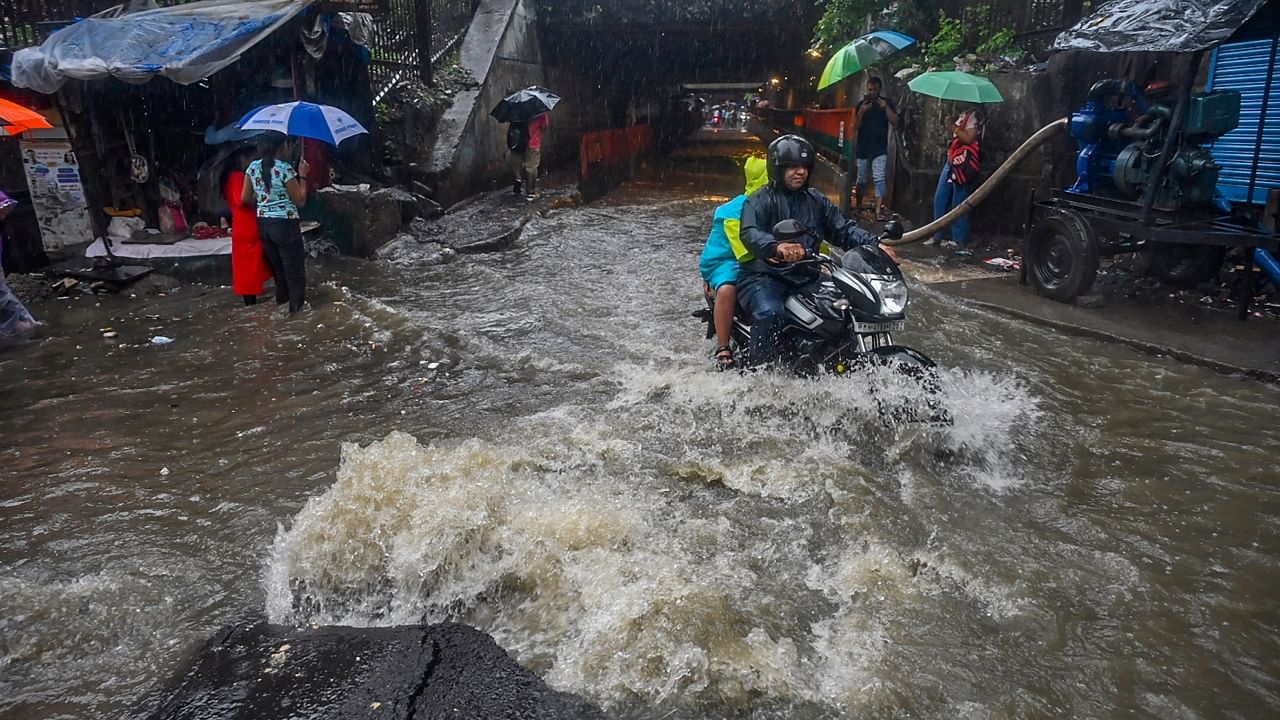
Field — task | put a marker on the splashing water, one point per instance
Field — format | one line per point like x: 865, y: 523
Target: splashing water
x: 596, y: 552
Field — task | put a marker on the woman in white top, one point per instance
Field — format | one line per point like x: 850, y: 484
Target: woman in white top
x: 279, y: 191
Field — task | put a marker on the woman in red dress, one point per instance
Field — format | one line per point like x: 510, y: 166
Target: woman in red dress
x: 249, y: 269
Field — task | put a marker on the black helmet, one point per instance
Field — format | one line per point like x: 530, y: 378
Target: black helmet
x: 786, y: 151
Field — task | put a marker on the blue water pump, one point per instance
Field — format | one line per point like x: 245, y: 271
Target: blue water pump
x: 1096, y: 161
x: 1119, y: 154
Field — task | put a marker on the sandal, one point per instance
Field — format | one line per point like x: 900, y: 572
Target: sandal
x: 724, y: 358
x: 882, y: 216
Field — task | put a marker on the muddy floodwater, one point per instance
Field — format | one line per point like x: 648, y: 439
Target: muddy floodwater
x: 534, y: 442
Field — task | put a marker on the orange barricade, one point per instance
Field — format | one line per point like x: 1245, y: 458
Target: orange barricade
x: 611, y: 149
x: 833, y: 129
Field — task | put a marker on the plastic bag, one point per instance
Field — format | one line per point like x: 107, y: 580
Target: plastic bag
x: 1157, y: 25
x: 123, y: 228
x: 14, y: 318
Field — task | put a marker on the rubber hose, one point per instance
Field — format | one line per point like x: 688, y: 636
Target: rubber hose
x: 1268, y: 262
x: 986, y: 188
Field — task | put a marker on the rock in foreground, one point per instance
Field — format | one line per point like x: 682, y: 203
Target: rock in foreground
x: 260, y: 671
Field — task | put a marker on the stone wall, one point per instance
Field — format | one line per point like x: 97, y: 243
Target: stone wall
x: 503, y: 51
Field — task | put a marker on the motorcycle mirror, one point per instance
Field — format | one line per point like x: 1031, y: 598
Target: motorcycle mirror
x: 893, y: 229
x: 789, y: 230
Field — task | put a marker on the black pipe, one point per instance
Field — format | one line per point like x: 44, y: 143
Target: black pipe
x: 1262, y: 120
x: 1175, y: 127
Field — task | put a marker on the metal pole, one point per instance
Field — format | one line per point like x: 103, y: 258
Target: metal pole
x: 1246, y: 286
x: 422, y: 18
x: 1262, y: 118
x: 1026, y: 235
x: 1175, y: 127
x: 850, y: 170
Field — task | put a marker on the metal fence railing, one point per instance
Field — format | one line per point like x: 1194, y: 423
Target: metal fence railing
x: 407, y: 42
x: 24, y: 23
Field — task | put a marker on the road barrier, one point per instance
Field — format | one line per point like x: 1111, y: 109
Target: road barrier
x: 608, y: 157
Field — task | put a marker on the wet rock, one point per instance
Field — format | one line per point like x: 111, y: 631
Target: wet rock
x: 365, y: 219
x: 427, y: 208
x: 422, y: 188
x: 258, y: 671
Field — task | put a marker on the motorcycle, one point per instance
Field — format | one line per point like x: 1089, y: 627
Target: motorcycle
x: 842, y: 321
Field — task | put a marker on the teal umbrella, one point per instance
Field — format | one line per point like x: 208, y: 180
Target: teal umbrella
x: 956, y: 85
x: 862, y: 54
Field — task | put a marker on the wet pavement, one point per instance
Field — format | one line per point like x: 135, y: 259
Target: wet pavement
x: 533, y: 442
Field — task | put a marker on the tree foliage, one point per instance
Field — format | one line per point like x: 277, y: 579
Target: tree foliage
x: 941, y: 37
x: 843, y: 20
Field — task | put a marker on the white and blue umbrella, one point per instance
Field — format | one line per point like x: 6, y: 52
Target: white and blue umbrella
x: 304, y: 119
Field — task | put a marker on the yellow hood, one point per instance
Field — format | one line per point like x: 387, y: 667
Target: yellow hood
x: 757, y: 171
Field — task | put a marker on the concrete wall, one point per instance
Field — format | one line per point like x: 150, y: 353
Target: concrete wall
x: 502, y: 51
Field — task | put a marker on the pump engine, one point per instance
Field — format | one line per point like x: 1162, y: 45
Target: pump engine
x: 1119, y: 155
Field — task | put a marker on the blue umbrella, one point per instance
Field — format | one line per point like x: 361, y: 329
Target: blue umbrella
x: 304, y: 119
x: 897, y: 40
x: 230, y: 133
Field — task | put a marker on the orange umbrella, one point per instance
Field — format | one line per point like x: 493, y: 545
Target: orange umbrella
x: 15, y: 119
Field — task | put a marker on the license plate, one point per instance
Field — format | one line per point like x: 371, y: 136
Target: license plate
x: 893, y: 326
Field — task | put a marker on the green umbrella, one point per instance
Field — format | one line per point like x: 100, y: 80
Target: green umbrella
x: 862, y: 54
x: 956, y: 85
x: 852, y: 58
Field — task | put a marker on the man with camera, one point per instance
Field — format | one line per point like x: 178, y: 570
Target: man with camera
x: 875, y: 114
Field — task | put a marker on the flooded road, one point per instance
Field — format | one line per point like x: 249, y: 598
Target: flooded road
x: 1097, y: 535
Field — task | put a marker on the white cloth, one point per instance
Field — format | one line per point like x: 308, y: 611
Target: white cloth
x: 182, y: 248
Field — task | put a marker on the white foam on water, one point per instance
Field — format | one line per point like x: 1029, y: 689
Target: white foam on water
x: 870, y: 416
x: 614, y: 592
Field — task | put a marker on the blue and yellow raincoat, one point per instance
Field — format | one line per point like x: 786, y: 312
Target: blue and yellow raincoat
x: 724, y: 251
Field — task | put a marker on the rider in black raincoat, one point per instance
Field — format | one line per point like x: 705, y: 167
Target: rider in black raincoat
x: 767, y: 280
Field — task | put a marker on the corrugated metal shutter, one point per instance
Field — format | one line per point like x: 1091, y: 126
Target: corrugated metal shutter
x: 1243, y: 66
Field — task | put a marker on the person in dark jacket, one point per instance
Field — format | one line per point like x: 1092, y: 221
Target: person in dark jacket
x: 765, y: 282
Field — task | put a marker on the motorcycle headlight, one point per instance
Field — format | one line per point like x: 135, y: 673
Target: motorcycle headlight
x: 893, y: 295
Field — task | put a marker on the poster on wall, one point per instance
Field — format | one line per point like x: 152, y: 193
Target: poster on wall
x: 53, y: 175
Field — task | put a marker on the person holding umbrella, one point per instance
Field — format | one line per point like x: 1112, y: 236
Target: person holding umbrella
x: 528, y: 112
x: 958, y: 177
x: 960, y: 170
x: 279, y: 190
x: 876, y: 114
x: 526, y: 161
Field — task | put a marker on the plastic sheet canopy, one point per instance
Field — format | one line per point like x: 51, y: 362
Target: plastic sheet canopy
x: 186, y: 43
x: 1157, y: 25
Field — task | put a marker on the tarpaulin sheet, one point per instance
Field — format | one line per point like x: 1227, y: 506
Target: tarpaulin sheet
x: 1158, y: 25
x: 186, y: 43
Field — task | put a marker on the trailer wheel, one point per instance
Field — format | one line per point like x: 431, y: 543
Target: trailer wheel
x: 1062, y: 256
x: 1186, y: 265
